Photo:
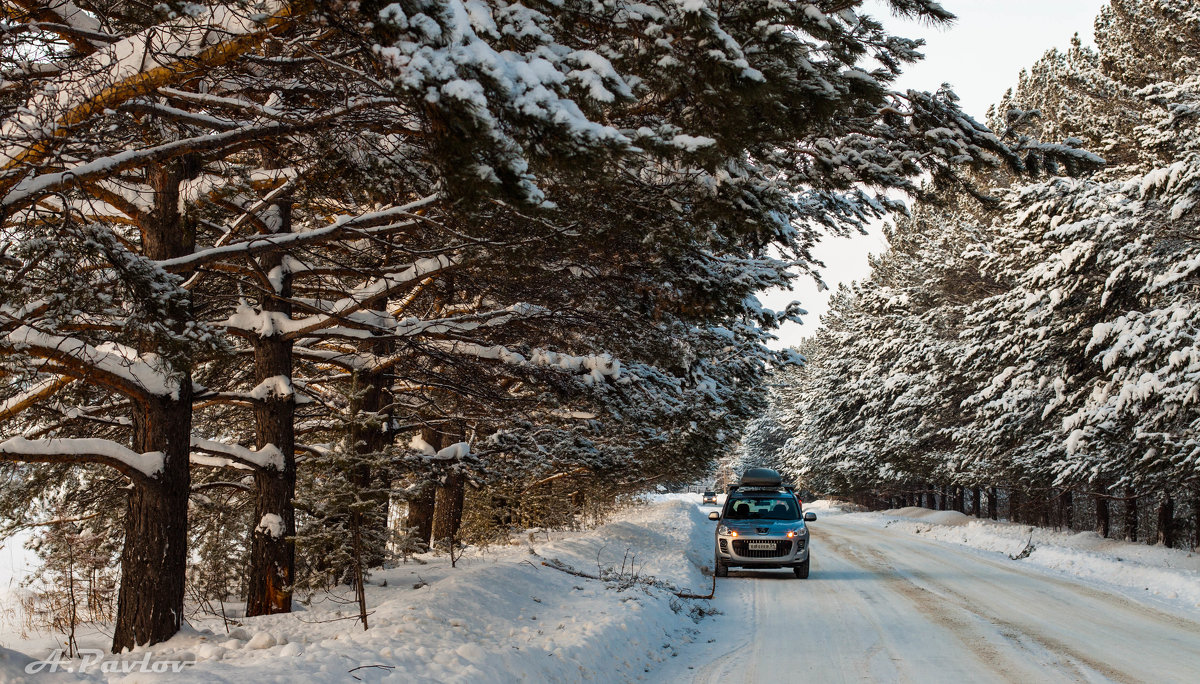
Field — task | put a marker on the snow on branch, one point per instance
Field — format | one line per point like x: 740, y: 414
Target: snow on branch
x: 275, y: 387
x: 45, y: 388
x: 33, y: 187
x: 269, y: 457
x: 130, y: 68
x: 217, y: 462
x: 89, y: 450
x: 455, y: 452
x: 117, y: 366
x: 410, y: 328
x: 65, y: 18
x: 371, y: 223
x: 269, y: 323
x: 594, y: 368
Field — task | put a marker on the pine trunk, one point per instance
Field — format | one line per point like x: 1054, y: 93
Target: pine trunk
x: 420, y: 514
x: 420, y: 507
x: 977, y: 495
x: 1196, y: 522
x: 1166, y: 520
x: 273, y: 557
x: 1067, y: 509
x: 374, y: 398
x: 1131, y: 515
x: 154, y: 555
x: 1103, y: 518
x: 993, y: 506
x: 447, y: 515
x: 372, y: 437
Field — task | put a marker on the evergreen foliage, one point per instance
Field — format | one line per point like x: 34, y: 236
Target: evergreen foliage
x: 1047, y: 345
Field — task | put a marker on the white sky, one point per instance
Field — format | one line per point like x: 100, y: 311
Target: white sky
x: 980, y: 55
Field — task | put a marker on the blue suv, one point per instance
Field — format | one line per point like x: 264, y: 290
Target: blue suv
x: 761, y: 526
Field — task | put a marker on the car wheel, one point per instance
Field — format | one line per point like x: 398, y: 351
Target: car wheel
x: 801, y: 570
x: 722, y: 570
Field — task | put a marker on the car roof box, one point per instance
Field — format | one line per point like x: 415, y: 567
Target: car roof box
x: 761, y: 477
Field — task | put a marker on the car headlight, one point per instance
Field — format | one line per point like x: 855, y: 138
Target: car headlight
x: 725, y: 531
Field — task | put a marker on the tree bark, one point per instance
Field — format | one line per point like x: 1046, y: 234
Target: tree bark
x: 993, y: 506
x: 420, y: 507
x: 273, y: 556
x: 977, y: 497
x: 1103, y: 518
x: 372, y: 437
x: 154, y: 556
x: 1166, y: 520
x: 447, y: 516
x: 1196, y: 522
x: 420, y: 513
x: 1131, y: 515
x: 1067, y: 509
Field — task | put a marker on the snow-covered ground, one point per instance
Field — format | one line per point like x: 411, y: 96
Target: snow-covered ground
x: 500, y: 616
x: 886, y: 603
x: 1169, y: 575
x: 908, y: 595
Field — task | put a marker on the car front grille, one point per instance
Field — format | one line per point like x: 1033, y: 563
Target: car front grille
x: 782, y: 547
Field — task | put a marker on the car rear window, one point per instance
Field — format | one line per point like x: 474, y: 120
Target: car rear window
x: 763, y: 508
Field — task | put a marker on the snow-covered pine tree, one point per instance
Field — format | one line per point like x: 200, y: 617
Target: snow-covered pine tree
x: 1069, y: 366
x: 877, y: 403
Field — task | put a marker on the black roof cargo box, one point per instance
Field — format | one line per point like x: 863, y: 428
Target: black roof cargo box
x: 760, y: 477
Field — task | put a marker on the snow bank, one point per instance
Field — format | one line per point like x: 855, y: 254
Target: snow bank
x: 950, y: 518
x: 500, y: 616
x: 1172, y: 575
x: 830, y: 507
x: 12, y: 671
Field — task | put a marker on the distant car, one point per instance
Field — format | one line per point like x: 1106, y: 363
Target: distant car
x: 709, y: 498
x: 761, y: 526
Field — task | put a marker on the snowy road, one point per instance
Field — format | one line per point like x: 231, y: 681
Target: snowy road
x: 886, y: 606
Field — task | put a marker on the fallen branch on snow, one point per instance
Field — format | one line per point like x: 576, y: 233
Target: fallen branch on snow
x: 1029, y: 547
x: 556, y: 564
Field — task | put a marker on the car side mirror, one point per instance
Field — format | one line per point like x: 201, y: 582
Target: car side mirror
x: 809, y: 517
x: 714, y: 516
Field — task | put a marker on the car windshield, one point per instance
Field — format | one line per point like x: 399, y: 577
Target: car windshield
x: 763, y: 508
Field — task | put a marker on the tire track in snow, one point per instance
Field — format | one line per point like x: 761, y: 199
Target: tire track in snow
x: 886, y: 606
x: 1031, y: 608
x: 973, y: 637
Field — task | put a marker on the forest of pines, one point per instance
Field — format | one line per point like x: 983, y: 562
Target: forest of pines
x: 291, y: 288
